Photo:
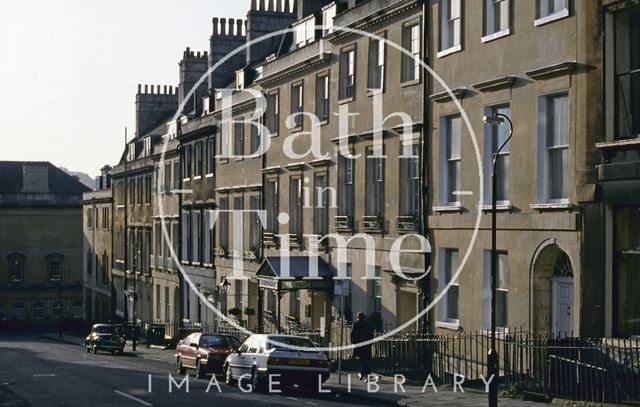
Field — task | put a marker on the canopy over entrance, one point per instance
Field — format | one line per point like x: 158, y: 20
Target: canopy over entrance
x: 303, y: 273
x: 288, y: 274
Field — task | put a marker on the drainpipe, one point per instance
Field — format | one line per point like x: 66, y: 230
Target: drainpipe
x: 179, y: 254
x: 425, y: 283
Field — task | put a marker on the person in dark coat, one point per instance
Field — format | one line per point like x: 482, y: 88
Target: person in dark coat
x: 362, y: 332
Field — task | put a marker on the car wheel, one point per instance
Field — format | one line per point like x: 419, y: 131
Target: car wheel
x: 256, y: 382
x: 228, y: 376
x: 200, y: 373
x: 181, y: 368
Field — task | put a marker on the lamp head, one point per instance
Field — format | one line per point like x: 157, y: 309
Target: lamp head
x: 493, y: 120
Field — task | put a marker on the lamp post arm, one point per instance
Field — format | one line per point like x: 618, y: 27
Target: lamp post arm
x: 495, y: 158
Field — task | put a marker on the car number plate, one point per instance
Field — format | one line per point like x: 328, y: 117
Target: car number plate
x: 300, y: 362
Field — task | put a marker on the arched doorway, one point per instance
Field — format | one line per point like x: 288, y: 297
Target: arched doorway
x: 552, y: 285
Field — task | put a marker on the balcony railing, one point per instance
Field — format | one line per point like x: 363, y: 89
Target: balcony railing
x: 406, y: 224
x: 343, y: 223
x: 270, y: 239
x: 372, y: 223
x: 295, y: 240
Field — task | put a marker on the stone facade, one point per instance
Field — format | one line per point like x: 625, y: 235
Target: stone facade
x: 40, y: 244
x: 98, y: 251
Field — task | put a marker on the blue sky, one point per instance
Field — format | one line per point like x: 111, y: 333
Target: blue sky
x: 69, y: 71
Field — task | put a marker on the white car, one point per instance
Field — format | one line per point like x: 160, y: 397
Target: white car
x: 294, y: 358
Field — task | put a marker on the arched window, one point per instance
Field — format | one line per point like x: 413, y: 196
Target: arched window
x: 76, y: 310
x: 37, y: 311
x: 16, y: 266
x: 54, y: 265
x: 56, y: 310
x: 562, y: 266
x: 18, y: 310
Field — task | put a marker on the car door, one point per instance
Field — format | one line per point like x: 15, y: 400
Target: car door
x: 187, y: 351
x: 240, y: 361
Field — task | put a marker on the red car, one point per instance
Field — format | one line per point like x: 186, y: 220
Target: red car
x: 205, y: 353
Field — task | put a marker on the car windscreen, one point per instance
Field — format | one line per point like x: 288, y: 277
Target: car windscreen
x: 217, y: 341
x: 282, y: 342
x: 105, y: 329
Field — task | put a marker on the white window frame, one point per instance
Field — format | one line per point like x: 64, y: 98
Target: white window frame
x: 375, y: 168
x: 377, y: 60
x: 489, y: 154
x: 486, y: 290
x: 446, y: 268
x: 544, y: 15
x: 411, y: 42
x: 450, y: 27
x: 410, y: 182
x: 347, y: 190
x: 348, y: 74
x: 492, y: 27
x: 297, y: 104
x: 544, y: 150
x: 448, y: 158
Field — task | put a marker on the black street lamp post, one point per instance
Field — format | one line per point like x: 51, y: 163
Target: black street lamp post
x: 135, y: 294
x: 496, y: 119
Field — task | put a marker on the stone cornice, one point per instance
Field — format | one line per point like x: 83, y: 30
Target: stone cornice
x: 444, y: 96
x: 295, y: 69
x: 551, y: 71
x: 495, y: 84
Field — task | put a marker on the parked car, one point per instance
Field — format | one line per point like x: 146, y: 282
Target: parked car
x: 205, y: 353
x: 263, y: 355
x: 105, y: 337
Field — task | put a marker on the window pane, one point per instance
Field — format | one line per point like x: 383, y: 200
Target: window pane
x: 452, y: 302
x: 501, y: 308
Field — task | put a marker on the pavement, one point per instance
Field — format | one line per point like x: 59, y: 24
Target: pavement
x: 385, y: 391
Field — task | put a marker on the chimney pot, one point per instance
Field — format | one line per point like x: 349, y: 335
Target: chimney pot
x: 270, y: 6
x: 139, y: 88
x: 253, y: 5
x: 146, y: 89
x: 239, y: 27
x: 215, y: 22
x: 223, y: 26
x: 262, y: 5
x: 279, y: 5
x: 287, y: 6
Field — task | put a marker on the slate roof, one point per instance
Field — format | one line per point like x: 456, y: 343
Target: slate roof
x: 59, y: 181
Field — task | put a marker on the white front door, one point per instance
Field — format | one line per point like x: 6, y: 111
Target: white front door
x: 562, y: 306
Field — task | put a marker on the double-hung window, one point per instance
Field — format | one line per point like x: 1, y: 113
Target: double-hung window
x: 375, y: 290
x: 198, y: 169
x: 377, y: 49
x: 295, y: 205
x: 271, y: 205
x: 186, y: 163
x: 496, y: 17
x: 322, y: 97
x: 347, y: 186
x: 450, y: 25
x: 223, y: 218
x: 297, y: 105
x: 411, y: 42
x: 449, y: 310
x: 347, y: 74
x: 553, y: 150
x: 211, y: 155
x: 549, y: 10
x: 495, y: 136
x: 410, y: 182
x: 627, y: 74
x: 502, y: 290
x: 375, y: 184
x: 255, y: 227
x: 450, y: 160
x: 196, y: 233
x: 238, y: 139
x: 273, y: 113
x: 321, y: 204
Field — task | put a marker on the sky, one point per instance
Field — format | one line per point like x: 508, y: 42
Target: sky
x: 69, y: 71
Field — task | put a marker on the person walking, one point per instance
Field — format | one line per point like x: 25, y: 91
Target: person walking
x: 362, y: 332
